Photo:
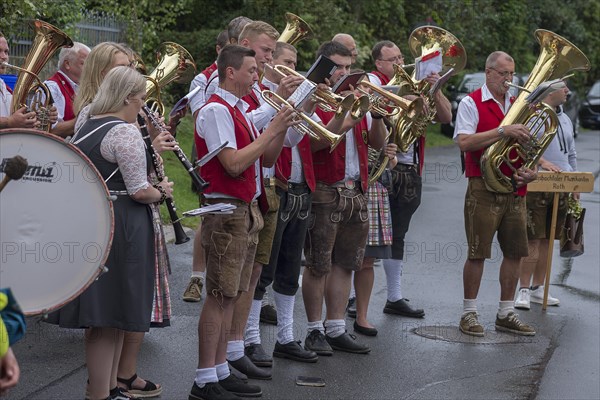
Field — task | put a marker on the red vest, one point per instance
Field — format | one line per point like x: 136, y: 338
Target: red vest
x: 283, y: 168
x: 384, y: 79
x: 208, y: 71
x: 329, y: 167
x: 490, y: 117
x: 243, y: 186
x: 67, y: 92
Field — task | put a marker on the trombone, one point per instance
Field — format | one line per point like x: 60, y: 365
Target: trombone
x: 312, y: 128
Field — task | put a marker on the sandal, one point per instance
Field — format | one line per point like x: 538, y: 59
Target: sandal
x: 150, y: 390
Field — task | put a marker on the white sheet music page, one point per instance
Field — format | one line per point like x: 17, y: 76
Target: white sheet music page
x: 427, y: 64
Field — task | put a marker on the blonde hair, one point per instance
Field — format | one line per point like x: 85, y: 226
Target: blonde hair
x: 97, y: 63
x: 120, y: 83
x: 256, y: 28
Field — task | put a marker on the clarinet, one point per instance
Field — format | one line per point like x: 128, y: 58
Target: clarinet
x: 189, y: 167
x: 180, y: 236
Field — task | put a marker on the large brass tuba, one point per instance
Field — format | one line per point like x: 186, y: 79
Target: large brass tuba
x: 558, y: 56
x: 175, y: 64
x: 295, y: 30
x: 47, y: 40
x: 422, y: 41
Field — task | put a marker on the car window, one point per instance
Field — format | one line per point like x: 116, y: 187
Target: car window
x: 471, y: 83
x: 595, y: 90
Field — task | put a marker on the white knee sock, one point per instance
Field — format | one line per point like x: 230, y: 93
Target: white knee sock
x: 235, y: 350
x: 469, y: 305
x: 285, y: 317
x: 335, y: 327
x: 504, y: 307
x: 352, y: 291
x: 198, y: 274
x: 252, y: 333
x: 206, y: 375
x: 393, y: 278
x: 223, y: 371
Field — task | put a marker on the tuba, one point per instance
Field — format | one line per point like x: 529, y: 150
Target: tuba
x: 295, y: 30
x: 174, y: 64
x: 47, y: 40
x: 557, y: 57
x: 423, y: 41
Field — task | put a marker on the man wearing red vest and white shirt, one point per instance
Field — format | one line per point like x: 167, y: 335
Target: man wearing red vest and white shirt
x: 405, y: 194
x: 478, y: 125
x: 63, y: 86
x: 335, y: 243
x: 20, y: 118
x: 229, y: 240
x: 295, y: 184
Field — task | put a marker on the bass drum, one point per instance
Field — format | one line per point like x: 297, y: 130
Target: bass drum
x: 57, y: 221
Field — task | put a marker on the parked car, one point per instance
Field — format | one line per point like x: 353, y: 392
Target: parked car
x: 589, y: 111
x: 469, y: 83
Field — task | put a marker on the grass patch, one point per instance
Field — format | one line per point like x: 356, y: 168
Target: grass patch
x: 183, y: 196
x: 436, y: 138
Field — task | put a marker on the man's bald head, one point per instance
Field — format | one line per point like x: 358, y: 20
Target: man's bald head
x: 348, y: 42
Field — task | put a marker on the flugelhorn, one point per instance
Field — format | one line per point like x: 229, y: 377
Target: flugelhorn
x: 502, y: 159
x: 312, y: 128
x: 329, y: 101
x: 26, y: 93
x: 175, y: 64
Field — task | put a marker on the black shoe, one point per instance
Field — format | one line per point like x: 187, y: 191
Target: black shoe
x: 316, y: 342
x: 119, y: 393
x: 245, y: 366
x: 294, y: 351
x: 258, y: 356
x: 268, y: 314
x: 351, y: 307
x: 238, y: 374
x: 211, y: 391
x: 347, y: 342
x: 364, y: 330
x: 401, y: 307
x: 240, y: 388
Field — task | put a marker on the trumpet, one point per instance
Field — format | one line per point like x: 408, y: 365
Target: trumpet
x: 327, y: 100
x: 387, y: 103
x: 314, y: 129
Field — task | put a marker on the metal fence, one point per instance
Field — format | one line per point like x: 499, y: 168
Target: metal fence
x: 94, y: 28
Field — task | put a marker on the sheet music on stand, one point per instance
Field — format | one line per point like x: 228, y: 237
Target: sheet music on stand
x: 302, y: 93
x: 217, y: 208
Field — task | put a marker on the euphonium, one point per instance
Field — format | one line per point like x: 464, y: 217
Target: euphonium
x: 311, y: 128
x: 47, y: 40
x: 174, y: 64
x: 295, y: 30
x: 422, y: 41
x: 403, y: 115
x: 558, y: 56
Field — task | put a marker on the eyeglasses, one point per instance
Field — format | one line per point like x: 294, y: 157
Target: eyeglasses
x: 396, y: 58
x: 504, y: 74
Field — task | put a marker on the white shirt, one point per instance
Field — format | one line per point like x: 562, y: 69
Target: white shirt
x: 352, y: 170
x: 374, y: 79
x: 260, y: 116
x: 215, y: 125
x: 200, y: 98
x: 57, y: 96
x: 5, y: 100
x: 467, y: 116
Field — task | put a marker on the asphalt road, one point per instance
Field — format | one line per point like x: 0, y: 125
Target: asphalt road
x: 561, y: 362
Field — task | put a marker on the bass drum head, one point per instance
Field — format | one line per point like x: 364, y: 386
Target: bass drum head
x: 57, y: 221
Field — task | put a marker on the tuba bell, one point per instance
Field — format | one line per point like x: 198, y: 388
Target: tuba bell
x: 422, y: 41
x: 295, y: 30
x: 175, y: 64
x: 47, y: 40
x: 557, y: 57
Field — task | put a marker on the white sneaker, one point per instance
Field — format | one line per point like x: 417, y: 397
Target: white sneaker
x: 537, y: 296
x: 522, y: 300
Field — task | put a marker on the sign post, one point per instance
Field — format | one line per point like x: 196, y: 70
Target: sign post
x: 559, y: 182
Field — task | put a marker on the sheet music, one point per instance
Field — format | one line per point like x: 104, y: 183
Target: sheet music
x: 218, y: 208
x: 302, y: 93
x: 440, y: 82
x: 427, y: 64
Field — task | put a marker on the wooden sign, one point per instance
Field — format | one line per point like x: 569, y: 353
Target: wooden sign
x: 566, y: 182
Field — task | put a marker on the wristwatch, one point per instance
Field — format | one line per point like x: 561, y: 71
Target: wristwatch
x: 501, y: 131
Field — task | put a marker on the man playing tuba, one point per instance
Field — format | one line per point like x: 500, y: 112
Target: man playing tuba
x: 477, y: 127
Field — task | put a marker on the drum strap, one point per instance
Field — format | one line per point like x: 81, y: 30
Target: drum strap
x: 92, y: 132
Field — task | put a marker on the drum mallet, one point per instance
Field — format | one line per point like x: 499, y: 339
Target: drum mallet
x: 13, y: 169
